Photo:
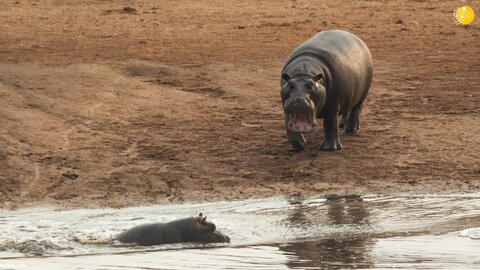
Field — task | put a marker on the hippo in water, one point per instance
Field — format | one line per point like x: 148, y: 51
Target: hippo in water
x: 193, y: 229
x: 326, y: 76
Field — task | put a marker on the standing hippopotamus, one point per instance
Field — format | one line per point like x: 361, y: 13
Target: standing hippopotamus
x: 193, y: 229
x: 325, y: 76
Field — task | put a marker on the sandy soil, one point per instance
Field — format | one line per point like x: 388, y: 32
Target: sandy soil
x: 172, y: 101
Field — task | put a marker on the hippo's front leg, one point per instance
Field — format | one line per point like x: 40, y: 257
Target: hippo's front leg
x: 330, y: 126
x: 295, y: 138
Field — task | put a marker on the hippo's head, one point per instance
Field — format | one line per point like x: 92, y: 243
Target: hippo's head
x: 206, y: 232
x: 302, y: 97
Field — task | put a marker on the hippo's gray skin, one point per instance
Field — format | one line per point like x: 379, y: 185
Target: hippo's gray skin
x: 325, y: 76
x: 193, y: 229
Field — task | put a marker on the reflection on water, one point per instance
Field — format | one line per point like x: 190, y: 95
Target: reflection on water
x: 331, y: 253
x: 409, y: 232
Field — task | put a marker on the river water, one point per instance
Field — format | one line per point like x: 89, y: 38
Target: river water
x: 380, y: 232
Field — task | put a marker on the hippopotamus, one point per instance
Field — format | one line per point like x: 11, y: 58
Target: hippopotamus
x: 193, y: 229
x: 326, y: 76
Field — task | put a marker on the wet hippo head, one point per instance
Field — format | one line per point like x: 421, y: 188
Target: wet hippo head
x: 302, y: 96
x: 206, y: 232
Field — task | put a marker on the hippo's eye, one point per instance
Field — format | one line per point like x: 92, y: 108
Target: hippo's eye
x: 311, y: 86
x: 289, y: 86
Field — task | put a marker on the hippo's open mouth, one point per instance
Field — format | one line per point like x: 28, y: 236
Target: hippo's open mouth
x: 301, y: 122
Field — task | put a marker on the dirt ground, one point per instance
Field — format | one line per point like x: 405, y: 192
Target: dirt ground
x: 119, y: 103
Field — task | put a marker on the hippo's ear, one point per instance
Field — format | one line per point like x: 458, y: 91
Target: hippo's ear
x: 202, y: 221
x: 318, y: 78
x: 285, y: 77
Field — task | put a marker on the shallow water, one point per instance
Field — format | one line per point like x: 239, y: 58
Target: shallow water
x: 421, y: 232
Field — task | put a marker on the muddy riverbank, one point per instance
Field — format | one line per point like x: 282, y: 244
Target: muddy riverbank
x: 179, y: 101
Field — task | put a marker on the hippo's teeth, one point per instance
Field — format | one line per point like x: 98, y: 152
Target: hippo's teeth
x: 296, y: 117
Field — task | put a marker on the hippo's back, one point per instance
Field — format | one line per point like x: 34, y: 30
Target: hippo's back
x: 151, y: 234
x: 335, y: 47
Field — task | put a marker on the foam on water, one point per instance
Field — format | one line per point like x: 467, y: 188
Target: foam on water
x: 473, y: 233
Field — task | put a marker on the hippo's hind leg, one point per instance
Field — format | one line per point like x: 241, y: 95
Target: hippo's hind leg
x: 342, y: 123
x: 352, y: 119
